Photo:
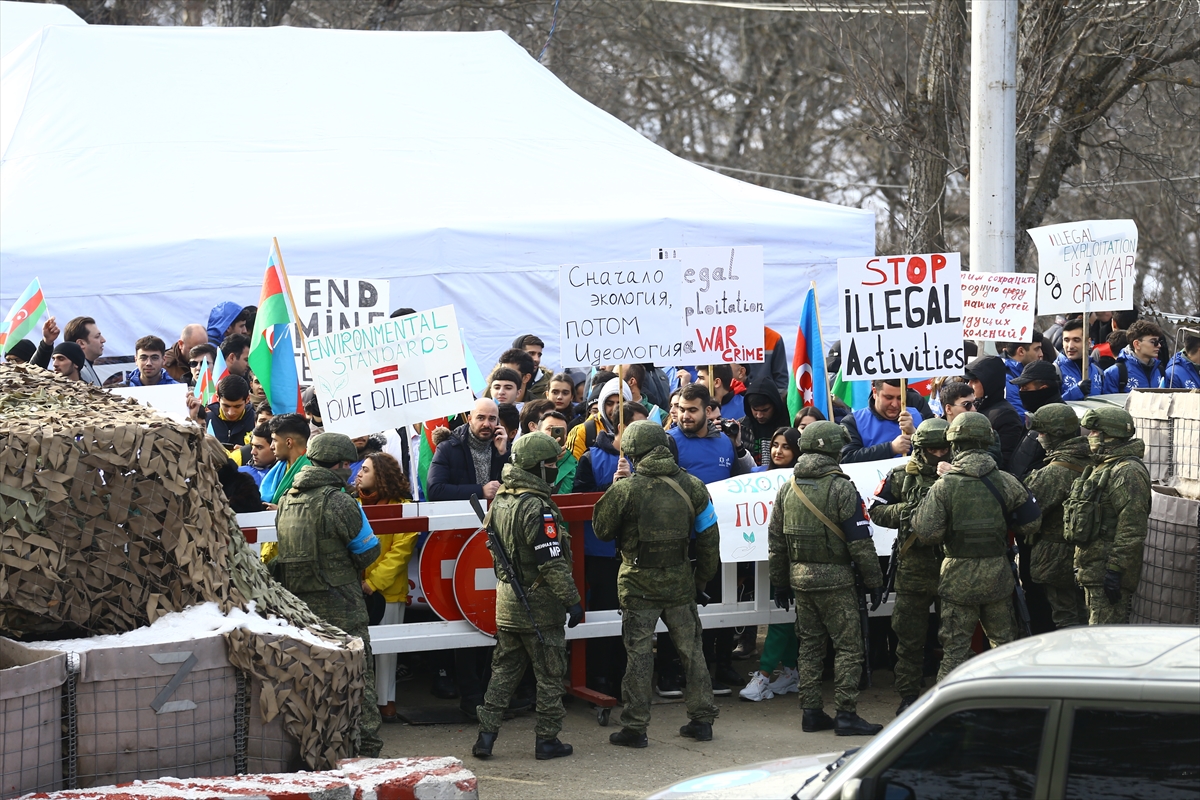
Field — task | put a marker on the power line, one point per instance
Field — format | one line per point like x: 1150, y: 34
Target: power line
x: 839, y: 184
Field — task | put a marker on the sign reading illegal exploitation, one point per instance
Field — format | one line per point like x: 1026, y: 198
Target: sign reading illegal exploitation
x: 1086, y: 263
x: 620, y: 312
x: 901, y: 316
x: 326, y: 305
x: 390, y: 373
x: 998, y: 306
x: 723, y: 303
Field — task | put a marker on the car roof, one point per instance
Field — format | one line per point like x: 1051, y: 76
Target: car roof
x: 1122, y: 652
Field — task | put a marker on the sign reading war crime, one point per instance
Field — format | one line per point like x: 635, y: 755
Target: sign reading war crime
x: 390, y: 373
x: 998, y: 306
x: 723, y: 303
x: 325, y: 305
x: 619, y: 312
x: 901, y: 316
x: 1087, y: 263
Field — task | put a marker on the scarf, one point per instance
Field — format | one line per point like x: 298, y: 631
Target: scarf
x: 278, y: 481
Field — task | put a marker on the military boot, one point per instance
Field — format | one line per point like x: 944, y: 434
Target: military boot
x: 628, y: 738
x: 545, y: 749
x: 483, y: 745
x: 695, y: 729
x: 850, y: 724
x: 815, y: 719
x: 905, y: 702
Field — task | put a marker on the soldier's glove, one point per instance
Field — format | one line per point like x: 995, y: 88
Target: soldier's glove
x: 1112, y: 586
x: 1085, y: 386
x: 783, y: 598
x: 574, y: 615
x: 876, y: 597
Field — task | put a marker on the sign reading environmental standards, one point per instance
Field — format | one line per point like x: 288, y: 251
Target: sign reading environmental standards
x: 1087, y: 263
x: 390, y: 373
x: 325, y: 305
x: 723, y: 303
x: 998, y: 306
x: 620, y: 312
x: 901, y: 316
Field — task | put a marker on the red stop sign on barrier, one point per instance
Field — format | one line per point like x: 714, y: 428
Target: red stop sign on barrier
x: 475, y: 584
x: 436, y: 569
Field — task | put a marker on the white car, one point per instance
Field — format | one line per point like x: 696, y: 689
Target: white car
x: 1090, y: 713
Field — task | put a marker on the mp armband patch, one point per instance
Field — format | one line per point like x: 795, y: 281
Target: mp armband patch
x: 547, y: 544
x: 858, y: 526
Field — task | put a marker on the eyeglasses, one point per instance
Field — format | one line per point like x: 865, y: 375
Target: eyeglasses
x: 1155, y: 342
x: 966, y: 405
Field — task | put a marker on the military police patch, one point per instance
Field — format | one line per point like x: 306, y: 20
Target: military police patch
x: 546, y: 545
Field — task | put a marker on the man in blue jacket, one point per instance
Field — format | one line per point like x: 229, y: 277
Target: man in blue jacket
x: 883, y: 429
x: 1183, y: 370
x: 1016, y: 355
x: 225, y: 319
x: 1069, y: 365
x: 1137, y: 365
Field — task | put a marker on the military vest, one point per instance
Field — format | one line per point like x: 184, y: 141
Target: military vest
x: 1054, y: 518
x: 312, y: 560
x: 1083, y: 515
x: 809, y: 540
x: 520, y: 553
x: 664, y: 524
x: 977, y: 526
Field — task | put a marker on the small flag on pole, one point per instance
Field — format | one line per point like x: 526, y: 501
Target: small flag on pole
x: 205, y: 388
x: 807, y: 385
x: 220, y: 370
x: 23, y: 316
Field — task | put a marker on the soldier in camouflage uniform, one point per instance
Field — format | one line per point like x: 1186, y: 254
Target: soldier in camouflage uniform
x: 323, y: 549
x: 1107, y: 515
x: 812, y: 546
x: 531, y: 531
x: 651, y: 515
x: 1052, y: 557
x: 919, y: 567
x: 963, y: 513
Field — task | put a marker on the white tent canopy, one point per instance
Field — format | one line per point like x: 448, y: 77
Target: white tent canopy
x: 19, y: 21
x: 143, y: 172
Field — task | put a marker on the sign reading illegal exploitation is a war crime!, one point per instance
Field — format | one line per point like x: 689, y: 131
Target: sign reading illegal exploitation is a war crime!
x: 901, y: 316
x: 1086, y: 265
x: 390, y: 373
x: 723, y: 303
x: 619, y: 312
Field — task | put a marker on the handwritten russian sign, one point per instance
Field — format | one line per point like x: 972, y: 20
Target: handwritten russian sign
x: 901, y: 316
x: 724, y: 306
x: 998, y: 306
x: 1088, y: 263
x: 390, y: 373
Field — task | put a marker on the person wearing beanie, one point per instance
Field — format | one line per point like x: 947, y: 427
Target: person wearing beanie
x: 67, y: 360
x: 21, y: 352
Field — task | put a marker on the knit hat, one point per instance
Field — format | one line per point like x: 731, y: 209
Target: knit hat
x: 71, y: 351
x: 23, y: 350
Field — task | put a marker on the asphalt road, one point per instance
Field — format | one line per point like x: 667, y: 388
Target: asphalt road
x: 744, y: 733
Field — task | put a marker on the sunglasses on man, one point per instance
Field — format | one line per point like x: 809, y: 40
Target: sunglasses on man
x: 967, y: 405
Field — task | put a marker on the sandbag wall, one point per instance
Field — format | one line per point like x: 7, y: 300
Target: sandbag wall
x: 112, y: 516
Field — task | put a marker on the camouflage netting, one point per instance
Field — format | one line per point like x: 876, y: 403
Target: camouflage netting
x: 111, y: 516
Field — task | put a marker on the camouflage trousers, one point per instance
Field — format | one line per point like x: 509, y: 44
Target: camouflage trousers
x: 344, y: 607
x: 999, y: 623
x: 1102, y: 611
x: 516, y: 650
x: 910, y: 622
x: 637, y: 628
x: 1068, y: 607
x: 821, y: 616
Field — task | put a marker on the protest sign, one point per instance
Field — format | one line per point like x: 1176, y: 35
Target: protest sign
x: 390, y: 373
x: 723, y: 302
x: 1086, y: 263
x: 326, y: 305
x: 619, y: 312
x: 743, y: 505
x: 169, y: 399
x: 901, y: 316
x: 998, y: 306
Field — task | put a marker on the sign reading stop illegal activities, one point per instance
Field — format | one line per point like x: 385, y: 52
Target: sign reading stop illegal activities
x: 901, y: 316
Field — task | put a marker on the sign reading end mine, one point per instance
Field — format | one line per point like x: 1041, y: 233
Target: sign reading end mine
x: 901, y: 316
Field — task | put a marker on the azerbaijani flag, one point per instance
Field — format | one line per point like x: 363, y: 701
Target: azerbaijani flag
x: 220, y: 369
x: 205, y: 386
x: 807, y: 384
x: 22, y: 317
x: 271, y: 353
x: 475, y: 377
x: 856, y: 394
x: 425, y: 450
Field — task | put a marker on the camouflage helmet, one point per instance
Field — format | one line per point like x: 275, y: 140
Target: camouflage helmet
x: 641, y: 437
x: 1112, y: 421
x: 532, y: 449
x: 823, y: 437
x: 931, y: 433
x: 332, y: 448
x: 968, y: 430
x: 1057, y: 420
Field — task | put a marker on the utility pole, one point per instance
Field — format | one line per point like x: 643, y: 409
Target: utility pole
x: 993, y: 135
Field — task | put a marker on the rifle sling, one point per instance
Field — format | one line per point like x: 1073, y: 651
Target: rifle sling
x: 1068, y: 465
x: 908, y: 543
x: 487, y: 520
x: 812, y: 507
x: 679, y: 489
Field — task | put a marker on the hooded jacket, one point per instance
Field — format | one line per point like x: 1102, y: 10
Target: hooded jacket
x: 760, y: 390
x: 583, y: 436
x: 774, y: 368
x: 1138, y: 375
x: 594, y: 473
x: 219, y: 319
x: 1006, y: 422
x: 1181, y: 373
x: 452, y: 472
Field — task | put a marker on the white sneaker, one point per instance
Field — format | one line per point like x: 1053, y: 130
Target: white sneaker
x: 788, y: 681
x: 756, y: 689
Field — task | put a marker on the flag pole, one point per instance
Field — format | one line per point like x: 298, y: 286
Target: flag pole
x: 287, y: 287
x: 812, y: 285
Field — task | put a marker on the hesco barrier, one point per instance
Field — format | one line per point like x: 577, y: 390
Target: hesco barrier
x: 31, y: 716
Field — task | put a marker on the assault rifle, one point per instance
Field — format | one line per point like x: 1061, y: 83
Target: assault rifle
x: 860, y: 589
x: 889, y: 582
x: 505, y: 565
x: 1018, y: 598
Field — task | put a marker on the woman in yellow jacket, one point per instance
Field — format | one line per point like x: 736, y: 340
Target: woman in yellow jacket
x: 380, y: 481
